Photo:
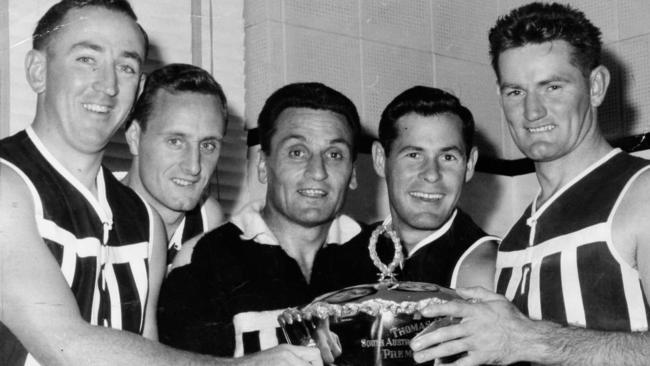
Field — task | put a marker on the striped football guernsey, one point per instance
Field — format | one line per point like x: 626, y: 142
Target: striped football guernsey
x: 101, y: 244
x: 558, y: 262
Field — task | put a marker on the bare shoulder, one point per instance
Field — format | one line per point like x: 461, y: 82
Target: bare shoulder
x: 631, y: 221
x: 214, y: 213
x: 478, y: 266
x: 184, y: 256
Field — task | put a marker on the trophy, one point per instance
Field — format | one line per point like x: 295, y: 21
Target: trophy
x: 374, y: 322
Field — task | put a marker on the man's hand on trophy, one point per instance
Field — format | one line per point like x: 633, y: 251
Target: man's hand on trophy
x: 327, y: 341
x: 490, y: 331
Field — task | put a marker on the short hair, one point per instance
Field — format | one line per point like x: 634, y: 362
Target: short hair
x: 306, y: 95
x: 175, y: 78
x: 424, y: 101
x: 52, y: 20
x: 538, y: 23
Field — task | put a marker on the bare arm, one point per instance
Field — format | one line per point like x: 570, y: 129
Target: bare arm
x: 214, y: 213
x: 39, y: 308
x: 495, y: 332
x: 157, y: 270
x: 478, y: 267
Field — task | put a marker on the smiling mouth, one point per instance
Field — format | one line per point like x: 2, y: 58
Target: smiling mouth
x: 312, y: 193
x: 182, y: 182
x: 96, y: 108
x: 431, y: 197
x: 544, y: 128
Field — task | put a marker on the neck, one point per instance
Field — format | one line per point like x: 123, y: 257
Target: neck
x: 83, y: 166
x: 553, y: 175
x: 410, y: 236
x: 170, y: 218
x: 299, y: 242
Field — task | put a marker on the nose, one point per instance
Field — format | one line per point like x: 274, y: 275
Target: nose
x: 430, y: 170
x: 191, y: 163
x: 316, y: 167
x: 106, y: 81
x: 533, y: 107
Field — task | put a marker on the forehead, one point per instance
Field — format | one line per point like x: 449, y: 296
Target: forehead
x: 97, y: 25
x: 537, y: 60
x: 188, y: 112
x: 438, y: 131
x: 314, y: 125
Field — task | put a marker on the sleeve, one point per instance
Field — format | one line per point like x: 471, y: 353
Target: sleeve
x: 193, y: 310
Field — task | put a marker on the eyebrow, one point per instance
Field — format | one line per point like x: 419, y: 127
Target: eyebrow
x: 551, y: 79
x: 97, y: 48
x: 338, y: 140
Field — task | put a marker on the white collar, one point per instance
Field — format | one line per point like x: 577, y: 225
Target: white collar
x: 249, y: 220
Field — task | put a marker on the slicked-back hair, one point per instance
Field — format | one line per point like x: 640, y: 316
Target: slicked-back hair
x: 538, y: 23
x: 424, y: 101
x: 52, y: 20
x: 176, y: 78
x: 310, y: 95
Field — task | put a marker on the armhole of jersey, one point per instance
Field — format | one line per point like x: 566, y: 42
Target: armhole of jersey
x: 454, y: 276
x: 36, y: 198
x: 610, y: 219
x: 151, y: 224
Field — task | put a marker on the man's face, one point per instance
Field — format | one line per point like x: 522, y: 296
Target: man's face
x: 546, y: 100
x: 91, y: 77
x: 178, y: 151
x: 309, y: 167
x: 425, y: 170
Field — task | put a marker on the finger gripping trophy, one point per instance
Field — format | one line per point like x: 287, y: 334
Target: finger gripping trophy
x: 374, y: 323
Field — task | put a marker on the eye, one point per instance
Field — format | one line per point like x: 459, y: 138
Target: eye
x: 449, y: 157
x: 208, y: 146
x: 335, y: 155
x: 127, y: 69
x: 297, y: 153
x: 174, y: 142
x: 554, y: 87
x: 413, y: 155
x: 513, y: 93
x: 86, y: 60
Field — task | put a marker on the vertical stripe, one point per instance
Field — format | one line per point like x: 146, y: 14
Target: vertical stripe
x: 550, y: 289
x: 115, y: 299
x: 534, y: 303
x: 634, y: 296
x: 251, y: 342
x: 239, y: 345
x: 197, y: 18
x: 141, y: 276
x: 513, y: 285
x: 574, y: 308
x: 69, y: 265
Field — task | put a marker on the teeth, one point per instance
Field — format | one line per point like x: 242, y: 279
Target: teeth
x: 181, y: 182
x: 312, y: 192
x: 96, y: 108
x: 541, y: 129
x: 426, y: 196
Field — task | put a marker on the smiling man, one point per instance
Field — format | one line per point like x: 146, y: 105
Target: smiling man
x: 81, y: 255
x: 573, y: 273
x: 277, y: 253
x: 175, y: 136
x: 426, y: 154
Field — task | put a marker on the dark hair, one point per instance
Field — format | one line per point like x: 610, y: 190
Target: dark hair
x: 52, y: 20
x: 175, y: 78
x: 425, y: 101
x: 306, y: 95
x: 538, y: 23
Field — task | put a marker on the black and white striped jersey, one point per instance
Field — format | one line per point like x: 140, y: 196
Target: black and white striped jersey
x: 102, y: 244
x: 558, y: 262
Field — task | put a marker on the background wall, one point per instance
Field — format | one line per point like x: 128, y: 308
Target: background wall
x: 370, y: 50
x: 373, y: 50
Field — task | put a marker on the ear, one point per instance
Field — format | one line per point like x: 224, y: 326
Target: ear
x: 132, y: 135
x: 36, y: 70
x: 353, y: 180
x: 262, y: 173
x: 143, y: 78
x: 598, y: 82
x: 379, y: 159
x: 471, y: 164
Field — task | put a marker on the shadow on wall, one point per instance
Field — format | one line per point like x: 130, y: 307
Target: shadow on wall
x: 616, y: 116
x: 365, y: 203
x: 482, y: 195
